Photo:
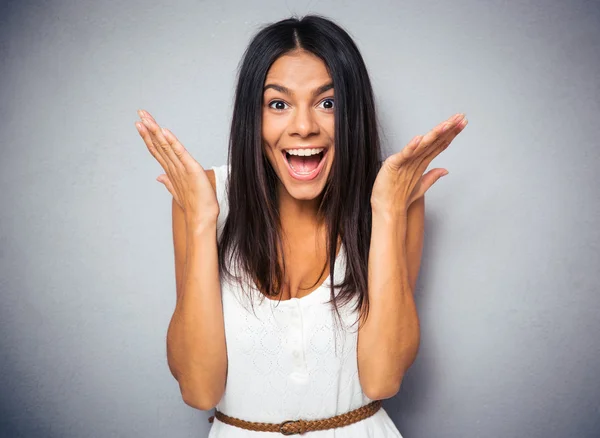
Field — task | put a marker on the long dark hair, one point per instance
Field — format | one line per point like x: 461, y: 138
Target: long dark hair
x: 251, y: 234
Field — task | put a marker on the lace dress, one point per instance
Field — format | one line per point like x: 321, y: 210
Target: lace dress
x: 287, y: 360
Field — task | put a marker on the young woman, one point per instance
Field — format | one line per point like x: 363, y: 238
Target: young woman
x: 296, y: 262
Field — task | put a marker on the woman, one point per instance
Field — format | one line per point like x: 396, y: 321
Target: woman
x: 255, y: 328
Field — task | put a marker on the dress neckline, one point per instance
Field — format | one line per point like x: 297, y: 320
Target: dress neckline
x: 319, y: 295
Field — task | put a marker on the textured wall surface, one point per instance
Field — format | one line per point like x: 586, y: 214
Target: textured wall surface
x: 508, y: 292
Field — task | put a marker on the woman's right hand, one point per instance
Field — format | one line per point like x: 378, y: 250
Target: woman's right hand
x: 185, y: 179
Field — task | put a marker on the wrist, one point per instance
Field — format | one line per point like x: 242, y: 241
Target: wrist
x: 197, y: 224
x: 389, y: 213
x: 389, y: 227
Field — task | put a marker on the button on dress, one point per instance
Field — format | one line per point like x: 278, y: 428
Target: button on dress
x: 289, y: 360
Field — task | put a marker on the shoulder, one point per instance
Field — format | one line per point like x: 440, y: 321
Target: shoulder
x: 217, y: 175
x: 210, y: 173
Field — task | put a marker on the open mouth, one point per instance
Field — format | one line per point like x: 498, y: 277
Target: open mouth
x: 305, y: 167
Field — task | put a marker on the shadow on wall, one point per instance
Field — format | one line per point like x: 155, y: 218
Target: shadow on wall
x: 23, y: 412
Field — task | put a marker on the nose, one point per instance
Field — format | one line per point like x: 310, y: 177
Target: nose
x: 304, y: 122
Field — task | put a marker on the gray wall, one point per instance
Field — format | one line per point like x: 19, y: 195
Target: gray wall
x: 508, y: 293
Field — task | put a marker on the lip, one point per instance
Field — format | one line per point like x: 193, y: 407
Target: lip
x: 309, y: 176
x: 310, y: 146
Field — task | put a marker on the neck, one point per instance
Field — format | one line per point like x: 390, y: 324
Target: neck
x: 299, y: 213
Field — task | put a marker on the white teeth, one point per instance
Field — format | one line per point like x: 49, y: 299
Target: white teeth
x: 305, y: 152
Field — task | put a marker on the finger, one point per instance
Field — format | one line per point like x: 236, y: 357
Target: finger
x: 174, y: 167
x: 441, y: 132
x: 413, y: 145
x: 147, y: 137
x: 144, y: 113
x: 423, y: 149
x: 419, y: 144
x: 176, y: 146
x: 449, y: 135
x: 425, y: 154
x: 182, y: 153
x: 164, y: 147
x: 428, y: 155
x: 396, y: 160
x: 154, y: 142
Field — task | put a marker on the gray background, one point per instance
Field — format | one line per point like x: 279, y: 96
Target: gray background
x: 508, y: 290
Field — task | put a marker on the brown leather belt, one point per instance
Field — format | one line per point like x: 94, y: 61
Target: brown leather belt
x: 293, y: 427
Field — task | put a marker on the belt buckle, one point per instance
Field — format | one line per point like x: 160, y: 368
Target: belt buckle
x: 288, y: 433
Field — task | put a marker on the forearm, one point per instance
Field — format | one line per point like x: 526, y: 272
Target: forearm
x: 196, y: 348
x: 389, y: 340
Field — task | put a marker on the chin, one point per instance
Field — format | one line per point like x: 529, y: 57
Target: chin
x: 304, y: 193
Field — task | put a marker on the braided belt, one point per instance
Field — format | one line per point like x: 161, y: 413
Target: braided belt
x: 293, y: 427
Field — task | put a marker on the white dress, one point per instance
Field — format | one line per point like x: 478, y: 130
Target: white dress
x: 282, y: 363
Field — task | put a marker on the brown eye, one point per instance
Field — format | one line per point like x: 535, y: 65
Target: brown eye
x: 328, y: 104
x: 280, y: 105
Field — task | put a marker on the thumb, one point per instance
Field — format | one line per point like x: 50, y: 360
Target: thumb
x: 429, y: 179
x: 164, y: 179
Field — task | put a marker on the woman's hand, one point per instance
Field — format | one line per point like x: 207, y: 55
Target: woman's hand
x: 185, y: 179
x: 400, y: 180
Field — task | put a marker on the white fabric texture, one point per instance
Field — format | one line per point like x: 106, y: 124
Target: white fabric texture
x: 289, y: 360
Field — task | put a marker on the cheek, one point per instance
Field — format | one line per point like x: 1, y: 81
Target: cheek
x: 264, y: 129
x: 272, y: 122
x: 328, y: 127
x: 268, y: 140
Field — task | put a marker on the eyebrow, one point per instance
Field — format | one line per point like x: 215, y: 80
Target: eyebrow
x: 320, y: 90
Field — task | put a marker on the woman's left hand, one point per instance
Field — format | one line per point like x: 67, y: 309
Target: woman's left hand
x: 400, y: 180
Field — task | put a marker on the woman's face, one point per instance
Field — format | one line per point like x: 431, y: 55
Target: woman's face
x: 298, y: 123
